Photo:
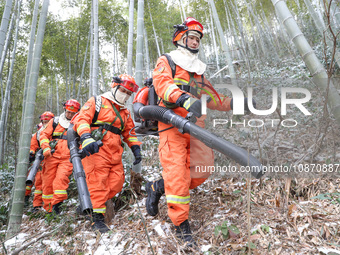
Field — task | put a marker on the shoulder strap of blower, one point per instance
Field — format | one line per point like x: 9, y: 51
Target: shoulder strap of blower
x: 98, y: 100
x: 109, y: 127
x: 173, y: 70
x: 55, y: 124
x: 171, y: 64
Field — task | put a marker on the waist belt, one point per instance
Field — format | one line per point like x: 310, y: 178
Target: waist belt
x: 108, y: 127
x: 64, y: 137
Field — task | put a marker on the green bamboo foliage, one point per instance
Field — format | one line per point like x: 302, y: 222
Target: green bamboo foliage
x: 313, y: 64
x: 130, y: 38
x: 139, y: 55
x: 15, y: 216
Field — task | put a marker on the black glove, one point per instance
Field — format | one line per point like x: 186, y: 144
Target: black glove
x: 246, y: 108
x: 89, y: 145
x: 32, y: 157
x: 190, y: 104
x: 136, y: 152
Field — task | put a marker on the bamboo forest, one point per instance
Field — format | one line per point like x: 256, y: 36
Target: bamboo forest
x: 170, y: 127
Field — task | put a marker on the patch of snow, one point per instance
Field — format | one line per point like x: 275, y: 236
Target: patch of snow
x: 159, y: 230
x: 205, y: 248
x: 302, y: 228
x: 325, y: 250
x: 53, y: 245
x: 17, y: 239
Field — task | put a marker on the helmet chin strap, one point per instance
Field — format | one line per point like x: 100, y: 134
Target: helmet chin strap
x: 114, y: 95
x: 187, y: 48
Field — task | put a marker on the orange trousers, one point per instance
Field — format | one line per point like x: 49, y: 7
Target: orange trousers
x: 37, y: 200
x: 179, y: 154
x: 55, y: 177
x: 104, y: 180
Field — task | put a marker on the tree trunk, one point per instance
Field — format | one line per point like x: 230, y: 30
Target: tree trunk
x: 95, y: 49
x: 154, y: 31
x: 182, y: 9
x: 5, y: 103
x: 91, y: 53
x: 57, y: 92
x: 320, y: 25
x: 146, y: 52
x: 4, y: 52
x: 15, y: 215
x: 76, y: 67
x: 214, y: 41
x: 130, y: 38
x: 84, y: 63
x: 139, y: 55
x: 4, y: 24
x: 66, y: 68
x: 223, y: 42
x: 313, y: 64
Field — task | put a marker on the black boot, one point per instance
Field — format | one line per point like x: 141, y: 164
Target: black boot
x: 27, y: 198
x: 98, y: 223
x: 36, y: 209
x: 56, y: 208
x: 183, y: 232
x: 155, y: 190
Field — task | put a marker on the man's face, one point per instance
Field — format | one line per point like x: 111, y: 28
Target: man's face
x: 193, y: 42
x: 124, y: 90
x: 69, y: 115
x: 44, y: 122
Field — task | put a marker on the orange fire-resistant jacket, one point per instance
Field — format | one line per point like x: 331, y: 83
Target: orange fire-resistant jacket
x: 179, y: 153
x: 57, y: 168
x: 104, y: 170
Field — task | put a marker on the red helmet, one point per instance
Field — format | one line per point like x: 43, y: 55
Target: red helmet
x: 189, y: 24
x: 46, y: 116
x: 125, y: 81
x: 72, y: 105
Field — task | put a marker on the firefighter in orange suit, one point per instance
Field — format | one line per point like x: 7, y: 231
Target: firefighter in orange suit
x: 34, y: 147
x: 57, y: 165
x: 104, y: 170
x: 179, y: 153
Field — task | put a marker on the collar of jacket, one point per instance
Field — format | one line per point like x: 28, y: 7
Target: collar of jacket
x: 108, y: 95
x: 188, y: 61
x: 63, y: 121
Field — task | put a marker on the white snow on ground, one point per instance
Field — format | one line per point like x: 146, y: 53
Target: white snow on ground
x: 108, y: 245
x: 54, y: 245
x: 19, y: 239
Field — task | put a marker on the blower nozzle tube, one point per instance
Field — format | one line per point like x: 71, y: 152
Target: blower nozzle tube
x: 232, y: 151
x: 78, y: 170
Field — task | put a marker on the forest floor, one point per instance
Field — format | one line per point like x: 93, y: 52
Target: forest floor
x: 282, y: 213
x: 307, y: 222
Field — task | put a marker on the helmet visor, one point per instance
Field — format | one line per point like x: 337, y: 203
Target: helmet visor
x: 129, y: 85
